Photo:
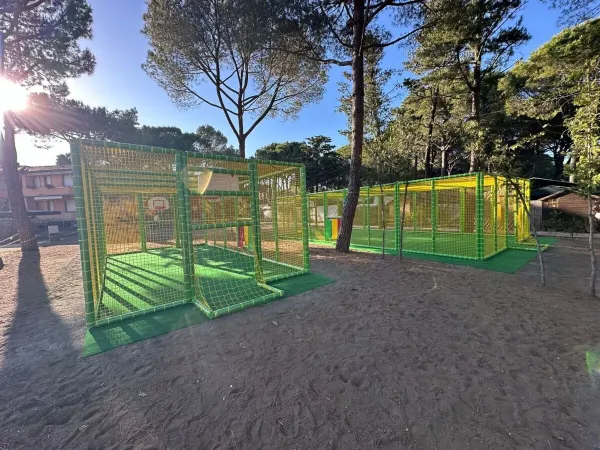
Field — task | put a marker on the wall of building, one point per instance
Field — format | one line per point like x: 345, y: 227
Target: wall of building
x: 568, y: 213
x: 56, y: 188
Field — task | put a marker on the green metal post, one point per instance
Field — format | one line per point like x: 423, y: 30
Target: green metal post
x: 506, y: 204
x: 224, y: 221
x: 413, y: 210
x: 188, y: 228
x: 325, y: 213
x: 185, y: 233
x: 82, y: 234
x: 255, y: 213
x: 516, y: 216
x: 368, y: 215
x: 433, y: 216
x: 142, y: 222
x: 177, y: 226
x: 397, y: 218
x: 365, y: 214
x: 305, y: 254
x: 479, y: 238
x: 205, y: 217
x: 214, y: 208
x: 495, y: 213
x: 102, y: 234
x: 463, y: 202
x: 236, y: 213
x: 275, y: 218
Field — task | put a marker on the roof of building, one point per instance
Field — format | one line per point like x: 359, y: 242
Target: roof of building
x: 544, y: 192
x: 43, y: 168
x: 537, y: 182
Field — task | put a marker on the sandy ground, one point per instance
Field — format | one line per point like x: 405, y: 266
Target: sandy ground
x: 410, y: 354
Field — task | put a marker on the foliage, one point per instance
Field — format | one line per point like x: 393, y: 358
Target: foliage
x: 232, y: 45
x: 326, y: 169
x: 381, y: 163
x: 471, y: 41
x: 561, y: 79
x: 64, y: 159
x: 560, y: 221
x: 210, y: 140
x: 55, y: 116
x: 42, y: 40
x: 576, y: 11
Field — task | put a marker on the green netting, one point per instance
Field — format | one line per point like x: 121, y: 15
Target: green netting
x: 159, y: 228
x: 473, y: 216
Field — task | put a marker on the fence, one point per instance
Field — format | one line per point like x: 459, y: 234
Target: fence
x: 159, y: 228
x: 472, y: 216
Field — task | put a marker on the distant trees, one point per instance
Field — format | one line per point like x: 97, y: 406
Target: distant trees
x: 64, y: 159
x: 325, y: 168
x: 234, y: 46
x: 210, y: 140
x: 55, y: 116
x: 471, y: 41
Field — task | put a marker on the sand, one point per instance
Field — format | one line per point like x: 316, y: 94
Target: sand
x: 396, y: 354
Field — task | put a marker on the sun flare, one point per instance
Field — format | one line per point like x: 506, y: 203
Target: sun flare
x: 12, y: 97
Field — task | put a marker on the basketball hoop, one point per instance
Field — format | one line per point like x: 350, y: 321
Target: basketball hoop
x: 158, y: 204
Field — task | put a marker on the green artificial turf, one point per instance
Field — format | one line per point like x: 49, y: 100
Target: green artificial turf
x: 138, y: 281
x: 507, y: 261
x: 107, y: 337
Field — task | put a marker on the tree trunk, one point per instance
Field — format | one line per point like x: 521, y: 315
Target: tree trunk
x: 416, y: 166
x: 572, y: 166
x: 444, y: 169
x: 14, y: 188
x: 593, y: 265
x: 428, y: 164
x: 517, y: 189
x: 476, y: 114
x: 559, y: 161
x: 358, y: 115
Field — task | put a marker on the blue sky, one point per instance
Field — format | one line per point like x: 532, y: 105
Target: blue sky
x: 120, y: 82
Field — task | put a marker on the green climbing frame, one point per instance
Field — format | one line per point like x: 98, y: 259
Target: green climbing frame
x: 158, y: 228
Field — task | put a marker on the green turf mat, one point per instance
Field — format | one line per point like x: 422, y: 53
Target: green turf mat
x: 509, y: 261
x: 107, y: 337
x: 302, y: 283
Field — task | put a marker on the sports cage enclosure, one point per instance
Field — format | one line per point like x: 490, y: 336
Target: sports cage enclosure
x: 471, y: 216
x: 160, y: 227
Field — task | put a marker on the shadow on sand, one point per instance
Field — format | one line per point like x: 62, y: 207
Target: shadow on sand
x: 35, y: 334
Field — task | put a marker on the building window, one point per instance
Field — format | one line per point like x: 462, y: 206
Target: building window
x: 45, y: 205
x: 38, y: 182
x: 68, y: 180
x: 70, y: 205
x: 553, y: 203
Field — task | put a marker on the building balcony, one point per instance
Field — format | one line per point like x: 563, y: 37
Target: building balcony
x: 36, y: 192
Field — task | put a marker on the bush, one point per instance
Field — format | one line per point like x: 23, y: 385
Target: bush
x: 560, y: 221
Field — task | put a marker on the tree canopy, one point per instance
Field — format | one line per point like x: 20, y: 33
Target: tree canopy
x: 233, y: 45
x: 325, y: 168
